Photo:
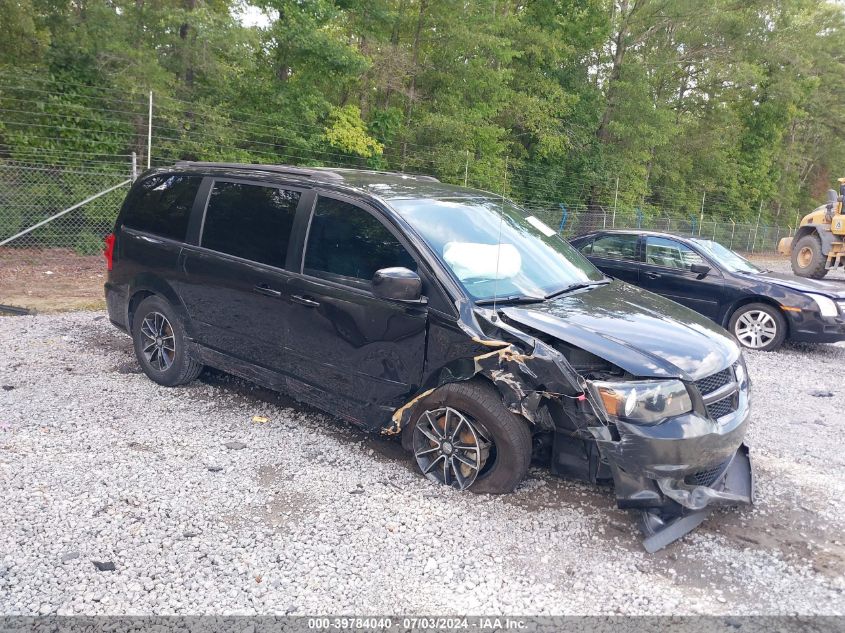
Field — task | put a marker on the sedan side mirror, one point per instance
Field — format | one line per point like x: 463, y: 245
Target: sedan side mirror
x: 398, y: 284
x: 700, y: 269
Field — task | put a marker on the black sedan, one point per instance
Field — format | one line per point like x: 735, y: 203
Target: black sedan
x: 761, y: 308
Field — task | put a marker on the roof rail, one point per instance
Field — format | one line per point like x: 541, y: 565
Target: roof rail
x: 319, y: 173
x: 278, y: 169
x: 381, y: 172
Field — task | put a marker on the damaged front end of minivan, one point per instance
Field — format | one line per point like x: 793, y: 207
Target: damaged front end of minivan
x: 667, y: 435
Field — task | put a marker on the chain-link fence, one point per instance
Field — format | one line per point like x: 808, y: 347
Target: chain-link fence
x: 48, y: 196
x: 742, y: 237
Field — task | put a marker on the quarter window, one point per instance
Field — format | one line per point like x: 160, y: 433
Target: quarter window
x: 162, y: 204
x: 615, y: 246
x: 661, y: 251
x: 346, y: 242
x: 250, y: 221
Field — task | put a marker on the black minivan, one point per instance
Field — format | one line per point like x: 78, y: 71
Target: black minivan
x: 439, y: 313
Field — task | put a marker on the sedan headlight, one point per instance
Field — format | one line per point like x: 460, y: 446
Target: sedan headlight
x: 826, y: 306
x: 645, y: 402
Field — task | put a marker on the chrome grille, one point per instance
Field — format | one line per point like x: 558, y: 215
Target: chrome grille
x: 710, y: 383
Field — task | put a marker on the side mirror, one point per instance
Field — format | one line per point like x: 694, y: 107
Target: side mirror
x: 398, y: 284
x: 700, y: 269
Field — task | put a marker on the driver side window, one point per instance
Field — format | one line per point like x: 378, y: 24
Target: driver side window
x: 348, y: 245
x: 661, y: 251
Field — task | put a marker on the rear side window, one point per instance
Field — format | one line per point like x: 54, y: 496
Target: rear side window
x: 661, y: 251
x: 250, y: 221
x: 345, y: 241
x: 615, y: 247
x: 162, y: 205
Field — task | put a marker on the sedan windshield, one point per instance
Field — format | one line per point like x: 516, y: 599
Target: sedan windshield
x: 493, y: 248
x: 727, y: 258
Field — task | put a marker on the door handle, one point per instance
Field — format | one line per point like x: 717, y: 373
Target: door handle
x: 303, y: 301
x: 652, y: 275
x: 264, y: 289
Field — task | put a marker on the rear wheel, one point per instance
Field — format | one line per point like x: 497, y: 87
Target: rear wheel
x: 808, y: 260
x: 465, y: 438
x: 758, y: 326
x: 161, y: 345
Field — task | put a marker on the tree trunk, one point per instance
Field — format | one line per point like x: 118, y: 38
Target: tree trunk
x: 412, y: 88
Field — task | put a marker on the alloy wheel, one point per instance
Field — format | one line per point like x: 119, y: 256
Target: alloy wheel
x: 159, y: 343
x: 451, y: 448
x: 755, y: 329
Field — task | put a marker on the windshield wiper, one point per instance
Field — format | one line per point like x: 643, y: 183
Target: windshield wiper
x: 510, y: 299
x: 578, y: 286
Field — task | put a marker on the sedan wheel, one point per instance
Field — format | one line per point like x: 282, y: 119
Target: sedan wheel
x: 451, y: 448
x: 758, y: 326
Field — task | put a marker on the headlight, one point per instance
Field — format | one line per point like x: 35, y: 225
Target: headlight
x: 646, y: 402
x: 826, y: 306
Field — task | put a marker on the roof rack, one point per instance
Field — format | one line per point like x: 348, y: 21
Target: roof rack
x: 277, y: 169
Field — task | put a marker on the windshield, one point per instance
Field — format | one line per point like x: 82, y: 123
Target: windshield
x: 529, y: 261
x: 727, y: 258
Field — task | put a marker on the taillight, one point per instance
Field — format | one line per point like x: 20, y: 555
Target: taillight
x: 108, y: 252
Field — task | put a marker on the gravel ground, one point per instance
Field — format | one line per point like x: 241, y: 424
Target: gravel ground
x: 304, y: 514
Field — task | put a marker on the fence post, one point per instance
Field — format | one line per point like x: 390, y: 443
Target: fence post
x: 150, y: 132
x: 757, y: 226
x: 134, y: 173
x: 563, y: 217
x: 703, y: 196
x: 615, y: 200
x: 733, y: 228
x: 466, y: 170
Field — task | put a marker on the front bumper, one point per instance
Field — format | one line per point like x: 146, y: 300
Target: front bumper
x: 734, y: 485
x: 810, y: 327
x: 676, y: 471
x: 675, y: 463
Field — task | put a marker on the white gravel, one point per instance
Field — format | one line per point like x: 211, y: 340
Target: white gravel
x: 97, y: 463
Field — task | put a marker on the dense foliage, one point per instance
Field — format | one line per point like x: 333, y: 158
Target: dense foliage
x: 735, y: 102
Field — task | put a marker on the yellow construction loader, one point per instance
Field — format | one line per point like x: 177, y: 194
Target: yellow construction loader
x: 819, y: 243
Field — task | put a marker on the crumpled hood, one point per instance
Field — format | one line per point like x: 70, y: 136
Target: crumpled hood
x: 802, y: 284
x: 643, y: 333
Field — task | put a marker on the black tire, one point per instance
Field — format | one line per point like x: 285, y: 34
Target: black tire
x: 510, y: 434
x: 807, y: 257
x: 165, y: 368
x: 749, y: 314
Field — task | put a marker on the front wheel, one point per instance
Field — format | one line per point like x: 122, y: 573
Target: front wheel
x: 758, y: 326
x: 808, y: 260
x: 465, y: 438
